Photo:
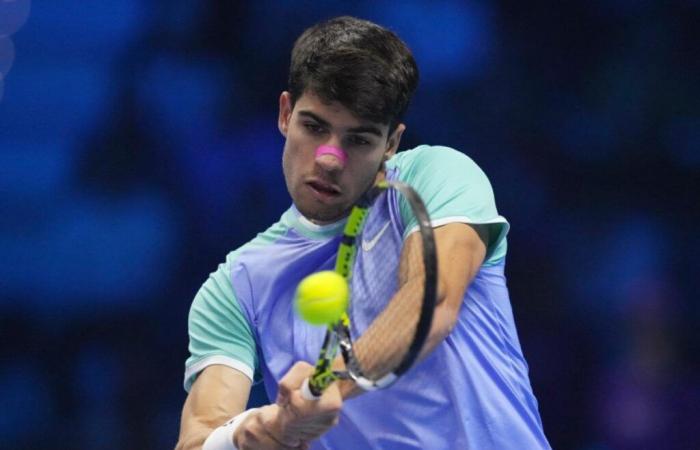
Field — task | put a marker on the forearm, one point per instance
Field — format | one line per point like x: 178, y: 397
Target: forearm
x: 383, y: 345
x: 230, y: 431
x: 377, y: 352
x: 196, y: 429
x: 194, y: 439
x: 461, y: 251
x: 218, y: 394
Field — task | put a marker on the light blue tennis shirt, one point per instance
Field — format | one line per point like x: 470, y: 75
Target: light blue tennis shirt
x: 471, y: 392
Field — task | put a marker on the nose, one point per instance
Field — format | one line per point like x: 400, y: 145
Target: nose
x: 330, y: 157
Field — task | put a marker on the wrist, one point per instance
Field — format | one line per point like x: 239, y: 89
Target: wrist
x: 224, y: 437
x: 239, y: 425
x: 349, y: 389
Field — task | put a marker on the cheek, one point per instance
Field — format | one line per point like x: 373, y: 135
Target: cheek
x: 363, y: 172
x: 288, y: 164
x: 293, y: 145
x: 374, y: 162
x: 294, y: 163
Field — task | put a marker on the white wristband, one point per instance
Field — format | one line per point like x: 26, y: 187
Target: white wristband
x: 222, y: 437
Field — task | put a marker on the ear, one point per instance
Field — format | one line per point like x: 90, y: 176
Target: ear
x: 393, y: 142
x: 285, y: 113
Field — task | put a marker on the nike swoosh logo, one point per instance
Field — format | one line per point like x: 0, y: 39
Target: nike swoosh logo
x: 369, y: 245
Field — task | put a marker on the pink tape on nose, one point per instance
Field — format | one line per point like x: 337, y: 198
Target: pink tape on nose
x: 330, y: 150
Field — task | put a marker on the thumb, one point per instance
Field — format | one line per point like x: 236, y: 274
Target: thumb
x: 292, y: 381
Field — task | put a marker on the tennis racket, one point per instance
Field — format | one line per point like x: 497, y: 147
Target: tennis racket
x: 394, y: 334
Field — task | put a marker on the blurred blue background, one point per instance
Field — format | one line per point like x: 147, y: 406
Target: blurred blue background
x: 138, y: 145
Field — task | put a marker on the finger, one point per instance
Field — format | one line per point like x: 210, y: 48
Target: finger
x: 310, y: 419
x: 258, y: 435
x: 330, y: 401
x: 296, y: 421
x: 292, y: 380
x: 310, y: 434
x: 258, y: 440
x: 308, y: 426
x: 274, y: 424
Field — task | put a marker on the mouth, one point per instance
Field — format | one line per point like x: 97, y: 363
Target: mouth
x: 323, y: 190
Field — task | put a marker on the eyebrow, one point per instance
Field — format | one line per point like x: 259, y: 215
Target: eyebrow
x: 361, y: 129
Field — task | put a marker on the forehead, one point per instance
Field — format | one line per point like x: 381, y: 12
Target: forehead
x: 334, y: 113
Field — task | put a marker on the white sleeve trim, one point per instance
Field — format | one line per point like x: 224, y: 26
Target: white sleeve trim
x: 222, y: 360
x: 464, y: 219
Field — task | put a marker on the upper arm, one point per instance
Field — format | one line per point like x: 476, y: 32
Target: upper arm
x: 461, y: 249
x: 218, y: 394
x: 219, y: 330
x: 469, y: 232
x: 222, y: 360
x: 460, y: 252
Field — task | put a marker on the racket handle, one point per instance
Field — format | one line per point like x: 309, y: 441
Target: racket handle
x: 306, y: 391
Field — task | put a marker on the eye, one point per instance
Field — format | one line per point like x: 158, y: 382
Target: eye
x: 359, y: 141
x: 314, y: 128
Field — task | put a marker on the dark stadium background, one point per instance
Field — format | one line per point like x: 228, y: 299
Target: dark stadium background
x: 138, y: 145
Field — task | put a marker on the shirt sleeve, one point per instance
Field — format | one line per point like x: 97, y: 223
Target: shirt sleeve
x: 454, y: 189
x: 218, y: 329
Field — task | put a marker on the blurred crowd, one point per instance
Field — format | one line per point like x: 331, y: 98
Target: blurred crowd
x: 138, y: 146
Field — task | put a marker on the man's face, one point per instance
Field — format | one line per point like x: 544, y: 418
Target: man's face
x: 324, y: 188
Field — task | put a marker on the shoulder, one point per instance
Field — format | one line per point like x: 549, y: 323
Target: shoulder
x: 453, y: 188
x: 427, y: 160
x: 262, y: 243
x: 433, y: 168
x: 429, y: 153
x: 268, y: 237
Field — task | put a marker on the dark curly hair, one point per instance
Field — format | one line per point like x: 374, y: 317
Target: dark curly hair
x: 363, y: 66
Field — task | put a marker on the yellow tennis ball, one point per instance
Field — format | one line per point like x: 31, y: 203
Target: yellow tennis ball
x: 322, y: 297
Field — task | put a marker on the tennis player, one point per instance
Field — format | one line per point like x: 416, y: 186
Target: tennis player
x: 350, y: 83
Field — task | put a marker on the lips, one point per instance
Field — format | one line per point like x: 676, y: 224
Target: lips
x: 323, y: 189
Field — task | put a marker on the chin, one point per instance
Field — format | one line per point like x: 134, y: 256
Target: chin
x: 321, y: 215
